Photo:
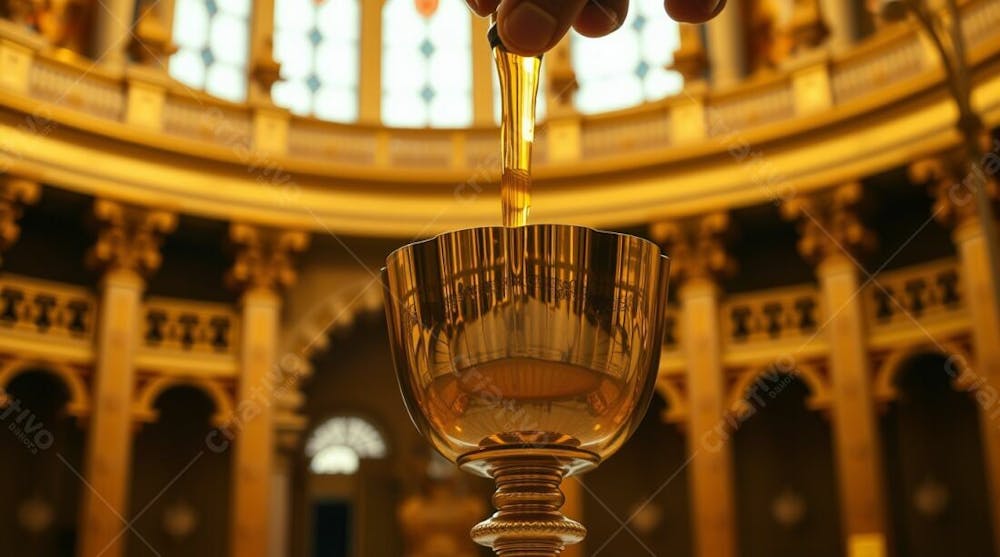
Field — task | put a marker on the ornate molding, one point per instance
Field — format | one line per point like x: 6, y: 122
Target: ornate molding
x: 264, y: 257
x: 950, y: 179
x: 830, y: 223
x: 15, y: 193
x: 129, y: 237
x: 696, y: 246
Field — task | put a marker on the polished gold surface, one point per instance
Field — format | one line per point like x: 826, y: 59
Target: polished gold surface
x: 519, y: 77
x: 536, y: 344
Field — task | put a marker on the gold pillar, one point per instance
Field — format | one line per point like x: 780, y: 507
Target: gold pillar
x: 15, y: 193
x: 482, y: 73
x: 843, y: 19
x: 262, y: 267
x: 370, y: 84
x: 727, y: 45
x: 127, y: 250
x: 832, y: 235
x: 697, y: 247
x: 264, y: 69
x: 573, y: 508
x: 950, y: 183
x: 112, y: 31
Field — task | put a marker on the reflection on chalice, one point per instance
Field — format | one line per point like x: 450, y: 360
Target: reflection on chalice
x: 527, y: 354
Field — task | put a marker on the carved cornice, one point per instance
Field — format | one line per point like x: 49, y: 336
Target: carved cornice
x: 950, y: 179
x: 264, y: 257
x: 829, y: 223
x: 129, y: 237
x: 15, y: 193
x: 696, y: 246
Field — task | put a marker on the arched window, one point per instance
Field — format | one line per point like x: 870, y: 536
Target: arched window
x: 212, y: 37
x: 426, y: 65
x: 338, y: 445
x: 627, y: 67
x: 316, y: 43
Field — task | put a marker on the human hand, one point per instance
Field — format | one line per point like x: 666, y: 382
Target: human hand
x: 531, y: 27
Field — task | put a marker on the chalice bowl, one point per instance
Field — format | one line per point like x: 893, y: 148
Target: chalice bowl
x: 527, y: 355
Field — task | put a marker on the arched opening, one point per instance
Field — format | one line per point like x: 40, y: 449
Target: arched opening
x: 42, y: 448
x: 351, y: 401
x: 645, y: 485
x: 336, y: 450
x: 786, y: 494
x: 934, y: 464
x: 180, y: 485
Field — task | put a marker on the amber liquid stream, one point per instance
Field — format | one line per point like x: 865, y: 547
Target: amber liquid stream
x: 519, y: 77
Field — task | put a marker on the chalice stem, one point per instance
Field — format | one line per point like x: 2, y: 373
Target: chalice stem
x: 528, y: 522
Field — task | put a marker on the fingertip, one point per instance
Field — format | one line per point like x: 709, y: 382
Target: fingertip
x: 483, y: 7
x: 694, y: 11
x: 601, y: 17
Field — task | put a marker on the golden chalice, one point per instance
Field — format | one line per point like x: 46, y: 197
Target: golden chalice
x: 527, y: 355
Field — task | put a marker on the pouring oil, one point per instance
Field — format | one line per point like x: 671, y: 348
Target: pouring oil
x: 519, y: 77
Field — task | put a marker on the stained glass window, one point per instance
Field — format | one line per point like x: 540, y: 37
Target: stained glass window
x: 426, y: 65
x: 338, y: 445
x: 627, y: 67
x: 316, y: 43
x: 212, y: 37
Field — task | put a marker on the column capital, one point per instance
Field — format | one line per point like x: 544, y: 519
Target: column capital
x: 950, y: 179
x: 15, y: 193
x: 697, y: 247
x: 562, y: 83
x: 151, y: 42
x: 129, y: 237
x: 264, y: 257
x: 691, y: 59
x: 830, y: 225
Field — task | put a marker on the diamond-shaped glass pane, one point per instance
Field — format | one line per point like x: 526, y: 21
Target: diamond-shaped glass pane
x: 427, y: 93
x: 207, y: 57
x: 315, y: 37
x: 313, y: 83
x: 639, y: 23
x: 427, y: 48
x: 642, y: 69
x: 211, y: 7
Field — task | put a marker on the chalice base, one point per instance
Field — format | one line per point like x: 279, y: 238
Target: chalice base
x: 528, y: 498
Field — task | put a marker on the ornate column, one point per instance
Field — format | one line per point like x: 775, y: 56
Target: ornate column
x: 574, y: 493
x: 482, y: 73
x: 832, y: 235
x: 264, y: 69
x: 263, y: 266
x: 563, y: 134
x: 949, y: 181
x: 152, y: 43
x: 697, y: 247
x: 127, y: 251
x: 727, y: 45
x: 15, y: 193
x: 112, y: 31
x: 843, y: 19
x: 370, y: 80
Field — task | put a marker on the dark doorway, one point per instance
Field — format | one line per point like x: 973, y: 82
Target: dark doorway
x: 786, y: 488
x: 42, y: 450
x: 935, y: 468
x: 332, y: 529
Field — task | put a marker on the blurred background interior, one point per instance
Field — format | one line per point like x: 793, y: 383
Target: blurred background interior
x: 196, y: 197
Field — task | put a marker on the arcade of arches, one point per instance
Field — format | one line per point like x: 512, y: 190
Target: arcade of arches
x: 196, y: 197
